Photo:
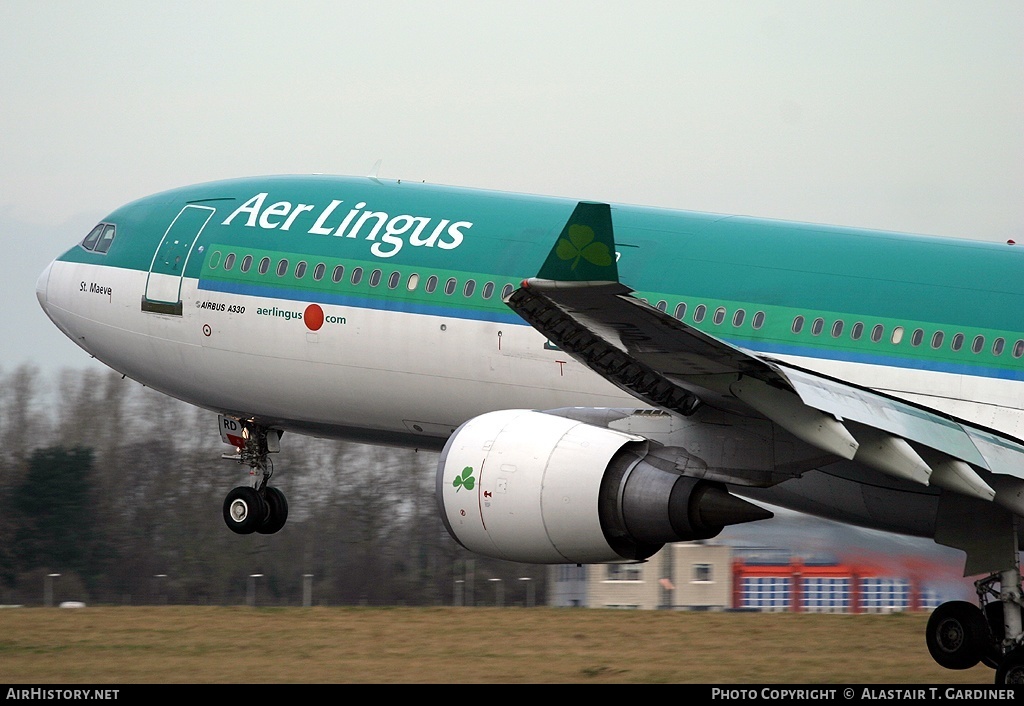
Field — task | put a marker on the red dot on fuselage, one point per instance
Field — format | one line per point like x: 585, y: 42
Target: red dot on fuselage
x: 314, y: 317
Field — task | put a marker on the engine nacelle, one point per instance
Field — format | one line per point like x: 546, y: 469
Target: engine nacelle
x: 533, y: 487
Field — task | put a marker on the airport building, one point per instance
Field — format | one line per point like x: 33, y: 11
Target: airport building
x: 710, y: 576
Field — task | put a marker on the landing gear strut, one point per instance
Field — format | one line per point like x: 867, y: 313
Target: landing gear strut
x: 257, y: 507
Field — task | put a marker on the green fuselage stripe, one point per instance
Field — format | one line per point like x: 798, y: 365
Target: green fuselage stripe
x: 782, y: 269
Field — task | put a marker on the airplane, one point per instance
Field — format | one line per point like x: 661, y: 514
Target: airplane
x: 599, y: 379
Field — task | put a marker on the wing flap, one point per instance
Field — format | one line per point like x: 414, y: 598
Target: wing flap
x: 668, y: 364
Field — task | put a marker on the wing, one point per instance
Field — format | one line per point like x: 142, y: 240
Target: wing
x: 578, y: 302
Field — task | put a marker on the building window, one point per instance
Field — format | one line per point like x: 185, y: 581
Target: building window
x: 882, y: 595
x: 703, y: 573
x: 828, y: 594
x: 767, y: 593
x: 623, y: 572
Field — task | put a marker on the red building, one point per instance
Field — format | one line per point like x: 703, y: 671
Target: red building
x: 802, y: 587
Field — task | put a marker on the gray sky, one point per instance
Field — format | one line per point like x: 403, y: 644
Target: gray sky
x: 902, y: 116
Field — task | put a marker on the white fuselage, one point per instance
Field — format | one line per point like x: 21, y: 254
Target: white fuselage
x: 388, y: 376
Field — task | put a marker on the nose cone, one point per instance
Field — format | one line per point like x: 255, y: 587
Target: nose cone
x: 41, y: 285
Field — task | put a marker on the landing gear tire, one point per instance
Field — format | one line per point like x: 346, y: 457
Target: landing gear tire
x: 957, y: 635
x: 244, y: 510
x: 1011, y: 671
x: 278, y: 511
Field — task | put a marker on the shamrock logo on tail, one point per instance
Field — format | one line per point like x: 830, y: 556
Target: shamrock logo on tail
x: 581, y: 244
x: 465, y: 480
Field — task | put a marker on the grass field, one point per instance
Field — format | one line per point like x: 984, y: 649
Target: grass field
x: 462, y: 645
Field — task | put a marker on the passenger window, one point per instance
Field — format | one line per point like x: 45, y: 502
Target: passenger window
x: 393, y: 280
x: 897, y: 335
x: 817, y: 326
x: 506, y: 291
x: 338, y: 274
x: 1018, y: 349
x: 698, y: 313
x: 857, y: 331
x: 997, y: 346
x: 916, y: 337
x: 375, y: 278
x: 357, y: 275
x: 798, y: 324
x: 758, y: 320
x: 246, y: 263
x: 264, y: 266
x: 837, y: 328
x: 282, y: 267
x: 488, y: 291
x: 431, y: 284
x: 719, y: 316
x: 877, y: 332
x: 469, y: 288
x: 229, y: 261
x: 979, y: 344
x: 737, y: 318
x: 958, y: 342
x: 300, y: 270
x: 319, y: 271
x: 937, y: 339
x: 414, y: 280
x: 662, y: 305
x: 680, y: 310
x: 450, y: 285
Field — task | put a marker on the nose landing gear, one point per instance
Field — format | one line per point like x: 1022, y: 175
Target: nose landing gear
x: 259, y: 507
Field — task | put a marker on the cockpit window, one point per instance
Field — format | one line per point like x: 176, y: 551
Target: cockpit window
x: 99, y: 238
x: 106, y: 239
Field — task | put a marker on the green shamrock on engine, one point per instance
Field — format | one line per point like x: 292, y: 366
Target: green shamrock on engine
x: 465, y: 480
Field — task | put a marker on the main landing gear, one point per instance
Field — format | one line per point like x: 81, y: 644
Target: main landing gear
x: 960, y: 634
x: 257, y: 507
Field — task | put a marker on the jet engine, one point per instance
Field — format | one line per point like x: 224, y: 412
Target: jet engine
x: 537, y: 488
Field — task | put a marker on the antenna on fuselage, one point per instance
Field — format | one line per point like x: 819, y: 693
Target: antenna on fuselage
x: 373, y: 172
